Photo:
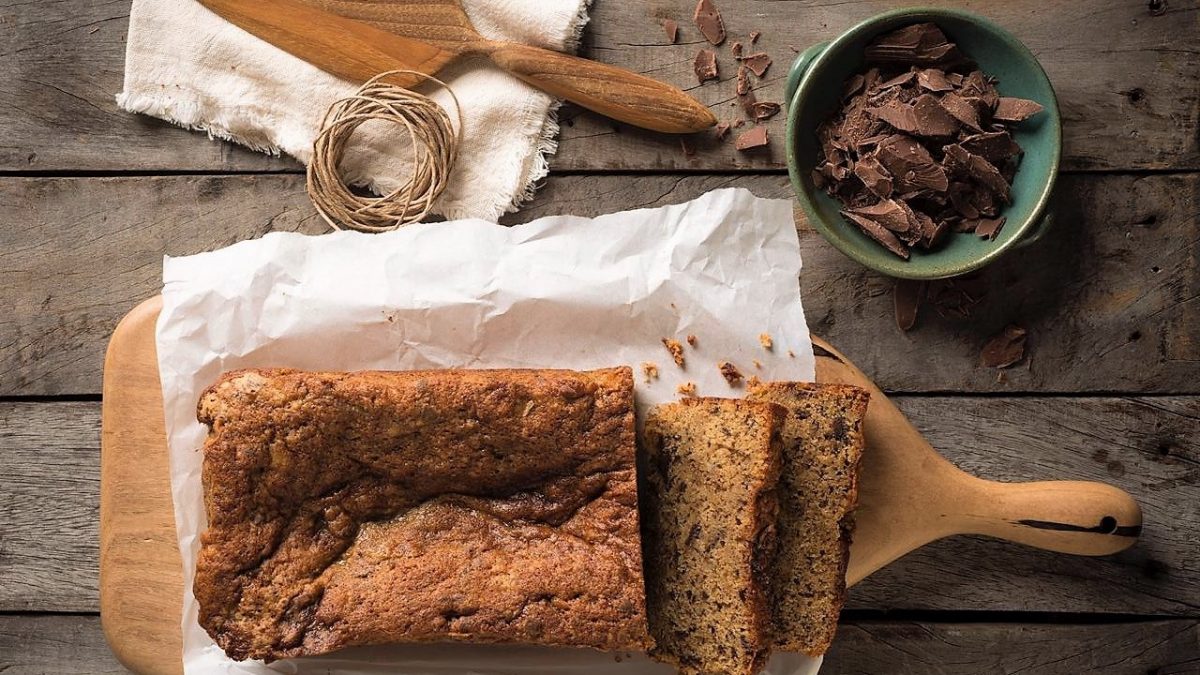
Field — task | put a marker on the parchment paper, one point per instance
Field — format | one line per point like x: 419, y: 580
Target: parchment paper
x: 561, y: 292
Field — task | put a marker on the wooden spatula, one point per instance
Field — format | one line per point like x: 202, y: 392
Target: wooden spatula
x: 357, y: 51
x: 909, y: 495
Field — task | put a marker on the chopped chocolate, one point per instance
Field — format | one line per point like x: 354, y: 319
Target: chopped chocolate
x: 906, y: 300
x: 722, y: 129
x: 705, y: 65
x: 671, y: 28
x: 708, y: 20
x: 756, y: 137
x: 676, y: 351
x: 762, y: 110
x: 922, y: 145
x: 730, y: 372
x: 757, y: 63
x: 743, y: 81
x: 766, y: 341
x: 754, y: 35
x: 736, y: 49
x: 988, y: 228
x: 1010, y: 109
x: 1004, y: 349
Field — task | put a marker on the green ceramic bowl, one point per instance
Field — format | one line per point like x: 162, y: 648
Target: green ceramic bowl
x: 813, y: 91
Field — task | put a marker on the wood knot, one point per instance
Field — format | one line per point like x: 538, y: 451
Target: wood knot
x: 1157, y: 7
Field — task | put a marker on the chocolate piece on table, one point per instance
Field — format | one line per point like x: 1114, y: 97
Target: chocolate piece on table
x: 879, y: 233
x: 1004, y: 349
x: 1009, y: 109
x: 743, y: 81
x: 722, y: 129
x: 906, y: 301
x: 756, y: 137
x: 705, y: 65
x: 754, y: 35
x: 757, y: 63
x: 762, y: 110
x: 708, y: 20
x: 736, y: 49
x: 671, y: 28
x: 988, y: 228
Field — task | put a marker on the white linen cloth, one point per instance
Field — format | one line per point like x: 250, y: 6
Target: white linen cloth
x: 188, y: 66
x: 560, y: 292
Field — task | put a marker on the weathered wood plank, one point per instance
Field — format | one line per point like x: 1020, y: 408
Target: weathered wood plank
x: 1130, y: 100
x: 69, y: 644
x: 1148, y: 446
x: 1109, y: 296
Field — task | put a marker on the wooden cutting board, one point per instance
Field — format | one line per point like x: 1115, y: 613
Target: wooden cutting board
x: 909, y: 495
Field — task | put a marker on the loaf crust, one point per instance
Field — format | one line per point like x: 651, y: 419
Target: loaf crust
x: 378, y: 507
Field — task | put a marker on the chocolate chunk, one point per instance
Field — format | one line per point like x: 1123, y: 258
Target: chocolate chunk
x: 756, y: 137
x: 989, y: 176
x: 757, y: 63
x: 898, y: 80
x: 671, y: 28
x: 763, y: 110
x: 736, y: 49
x: 708, y: 20
x: 874, y: 176
x: 961, y: 109
x: 894, y: 215
x: 932, y: 119
x: 933, y: 79
x: 743, y: 81
x: 961, y: 201
x: 988, y: 228
x: 906, y: 301
x: 722, y: 129
x: 754, y: 35
x: 911, y: 164
x: 879, y: 233
x: 1004, y: 349
x: 1010, y: 109
x: 853, y: 86
x: 705, y: 65
x: 977, y: 85
x: 918, y: 44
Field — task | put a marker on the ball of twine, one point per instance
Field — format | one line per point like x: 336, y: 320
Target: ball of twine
x: 434, y: 144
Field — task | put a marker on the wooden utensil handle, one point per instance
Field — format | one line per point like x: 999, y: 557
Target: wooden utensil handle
x: 608, y: 90
x: 1067, y: 516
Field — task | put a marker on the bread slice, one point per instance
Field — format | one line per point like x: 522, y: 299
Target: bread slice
x: 822, y: 446
x: 708, y: 473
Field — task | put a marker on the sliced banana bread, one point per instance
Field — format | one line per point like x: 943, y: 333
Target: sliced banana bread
x: 822, y: 446
x: 708, y: 473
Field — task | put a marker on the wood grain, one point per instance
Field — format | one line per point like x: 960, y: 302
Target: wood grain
x: 1130, y: 100
x: 74, y: 644
x: 1149, y: 446
x: 1116, y: 280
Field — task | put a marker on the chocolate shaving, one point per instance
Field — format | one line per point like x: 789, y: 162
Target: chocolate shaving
x: 922, y: 145
x: 757, y: 63
x: 705, y: 65
x: 763, y: 110
x: 1004, y: 349
x: 1010, y: 109
x: 754, y: 35
x: 906, y: 300
x: 722, y: 129
x: 754, y: 138
x: 671, y: 28
x: 708, y: 20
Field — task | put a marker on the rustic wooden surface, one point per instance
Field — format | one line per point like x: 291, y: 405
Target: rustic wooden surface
x: 91, y: 198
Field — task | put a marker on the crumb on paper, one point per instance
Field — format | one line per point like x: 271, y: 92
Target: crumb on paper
x: 730, y: 372
x: 691, y: 340
x: 650, y: 370
x: 757, y: 363
x: 686, y: 389
x: 753, y: 381
x: 676, y: 350
x: 791, y: 354
x: 765, y: 340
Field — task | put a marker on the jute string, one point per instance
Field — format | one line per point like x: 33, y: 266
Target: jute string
x: 434, y: 145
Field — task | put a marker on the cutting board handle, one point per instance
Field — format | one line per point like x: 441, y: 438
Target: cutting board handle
x: 1077, y: 517
x: 617, y: 93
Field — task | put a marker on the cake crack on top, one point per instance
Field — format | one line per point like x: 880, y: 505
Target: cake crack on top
x: 366, y: 508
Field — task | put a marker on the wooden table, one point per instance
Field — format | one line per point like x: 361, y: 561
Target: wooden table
x: 92, y: 197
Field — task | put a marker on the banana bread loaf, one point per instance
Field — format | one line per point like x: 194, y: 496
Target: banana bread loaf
x: 708, y: 473
x: 376, y: 507
x: 822, y: 446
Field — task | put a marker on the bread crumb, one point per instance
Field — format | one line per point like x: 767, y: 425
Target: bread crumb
x: 676, y: 350
x: 765, y: 340
x: 650, y: 370
x: 691, y: 340
x: 757, y: 363
x: 753, y: 381
x: 730, y: 372
x: 791, y: 354
x: 686, y: 389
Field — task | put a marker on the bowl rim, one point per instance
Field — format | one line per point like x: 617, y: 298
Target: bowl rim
x: 899, y: 268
